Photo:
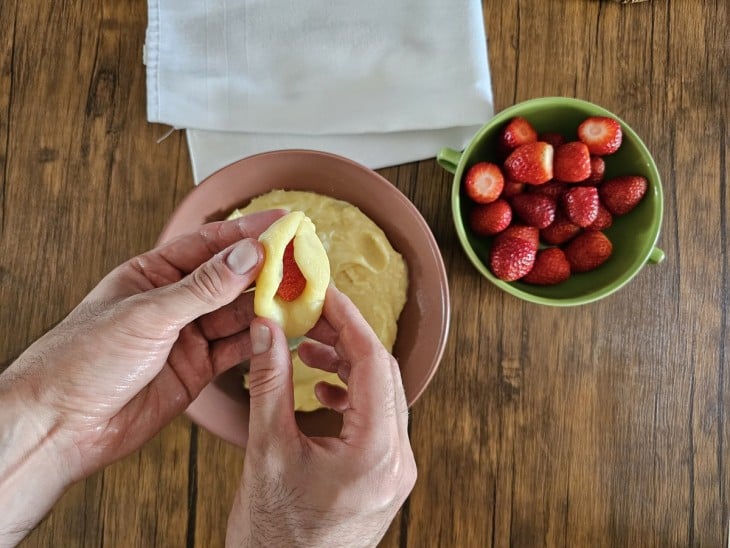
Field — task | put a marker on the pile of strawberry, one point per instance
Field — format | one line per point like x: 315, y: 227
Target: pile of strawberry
x: 547, y: 203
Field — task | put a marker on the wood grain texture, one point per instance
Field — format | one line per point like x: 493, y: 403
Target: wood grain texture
x: 604, y: 425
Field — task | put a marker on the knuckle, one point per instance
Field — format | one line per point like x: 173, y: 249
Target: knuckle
x: 206, y: 284
x: 410, y: 475
x: 395, y: 472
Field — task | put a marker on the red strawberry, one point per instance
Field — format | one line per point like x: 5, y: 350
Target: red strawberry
x: 550, y: 268
x: 552, y: 189
x: 560, y: 231
x: 531, y: 163
x: 598, y: 170
x: 588, y: 250
x: 572, y: 162
x: 484, y: 182
x: 535, y: 210
x: 554, y: 139
x: 293, y: 281
x: 518, y: 131
x: 511, y: 188
x: 603, y: 221
x: 602, y: 134
x: 511, y: 258
x: 489, y: 219
x: 527, y: 233
x: 581, y: 205
x: 622, y: 194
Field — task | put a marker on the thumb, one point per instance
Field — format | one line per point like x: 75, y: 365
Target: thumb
x: 215, y: 283
x: 270, y: 385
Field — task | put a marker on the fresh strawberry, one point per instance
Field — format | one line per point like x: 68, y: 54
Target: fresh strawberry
x: 550, y: 268
x: 622, y: 194
x: 517, y: 132
x: 534, y: 209
x: 511, y: 258
x: 561, y: 230
x: 553, y: 189
x: 484, y: 182
x: 598, y: 170
x: 602, y: 134
x: 604, y: 219
x: 581, y: 205
x: 554, y: 139
x: 489, y: 219
x: 531, y: 163
x: 588, y: 250
x: 512, y: 188
x: 293, y: 281
x: 527, y: 233
x: 572, y: 162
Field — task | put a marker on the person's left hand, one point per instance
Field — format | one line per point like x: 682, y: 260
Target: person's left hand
x: 143, y: 344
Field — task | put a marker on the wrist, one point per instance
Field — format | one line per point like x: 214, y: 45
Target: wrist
x: 32, y: 474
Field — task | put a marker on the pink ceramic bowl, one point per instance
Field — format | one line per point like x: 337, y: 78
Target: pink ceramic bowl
x: 223, y: 406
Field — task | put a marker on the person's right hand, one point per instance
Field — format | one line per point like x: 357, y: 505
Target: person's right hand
x: 344, y: 491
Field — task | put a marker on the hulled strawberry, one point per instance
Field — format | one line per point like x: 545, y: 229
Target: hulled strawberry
x: 534, y: 209
x: 531, y: 163
x: 512, y: 188
x: 622, y: 194
x: 489, y: 219
x: 602, y: 134
x: 581, y: 205
x: 484, y: 182
x: 598, y: 170
x: 511, y: 258
x: 553, y: 189
x: 551, y: 267
x: 561, y: 230
x: 517, y: 132
x: 572, y: 162
x: 588, y: 251
x: 527, y: 233
x: 604, y: 219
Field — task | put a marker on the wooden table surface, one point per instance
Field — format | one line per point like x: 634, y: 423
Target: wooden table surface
x: 604, y: 425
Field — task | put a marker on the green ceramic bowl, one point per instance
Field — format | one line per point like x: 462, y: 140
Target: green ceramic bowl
x: 634, y: 235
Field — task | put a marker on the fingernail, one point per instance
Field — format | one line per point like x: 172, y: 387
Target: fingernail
x: 260, y: 338
x: 243, y: 257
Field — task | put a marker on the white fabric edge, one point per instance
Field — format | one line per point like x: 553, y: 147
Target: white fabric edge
x: 213, y: 150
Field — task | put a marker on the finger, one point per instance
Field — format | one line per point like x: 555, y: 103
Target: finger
x: 230, y: 319
x: 401, y: 404
x: 270, y: 386
x: 371, y: 392
x: 212, y: 285
x: 329, y: 395
x: 324, y: 357
x: 186, y: 252
x: 230, y: 351
x: 323, y: 332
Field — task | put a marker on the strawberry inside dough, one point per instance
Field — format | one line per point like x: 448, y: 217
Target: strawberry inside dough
x: 290, y: 290
x: 293, y: 281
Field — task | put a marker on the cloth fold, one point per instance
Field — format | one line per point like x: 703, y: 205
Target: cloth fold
x: 381, y: 82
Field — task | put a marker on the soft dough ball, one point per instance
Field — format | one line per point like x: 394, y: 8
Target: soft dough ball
x: 299, y: 315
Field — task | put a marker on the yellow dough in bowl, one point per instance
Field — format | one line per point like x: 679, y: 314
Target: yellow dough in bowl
x: 298, y: 316
x: 363, y: 265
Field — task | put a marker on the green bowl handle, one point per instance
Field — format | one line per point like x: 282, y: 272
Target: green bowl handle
x: 656, y: 256
x: 448, y: 158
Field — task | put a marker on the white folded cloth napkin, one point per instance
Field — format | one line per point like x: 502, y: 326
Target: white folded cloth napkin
x: 382, y: 82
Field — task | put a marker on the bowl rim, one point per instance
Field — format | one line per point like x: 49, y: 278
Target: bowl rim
x: 433, y: 259
x: 648, y: 246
